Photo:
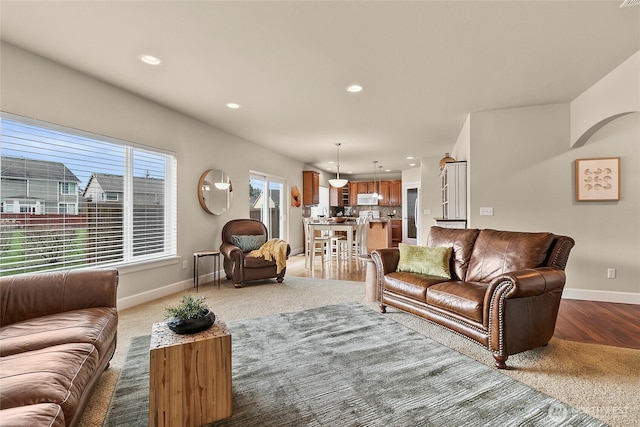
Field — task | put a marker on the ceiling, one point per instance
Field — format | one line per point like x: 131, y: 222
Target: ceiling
x: 424, y: 65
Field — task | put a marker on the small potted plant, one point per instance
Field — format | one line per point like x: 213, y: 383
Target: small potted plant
x: 190, y: 316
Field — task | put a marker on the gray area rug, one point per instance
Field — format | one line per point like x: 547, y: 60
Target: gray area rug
x: 347, y: 365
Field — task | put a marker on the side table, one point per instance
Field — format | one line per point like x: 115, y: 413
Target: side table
x: 216, y: 266
x: 189, y: 376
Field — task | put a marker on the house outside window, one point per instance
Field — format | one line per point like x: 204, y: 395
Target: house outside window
x: 74, y: 199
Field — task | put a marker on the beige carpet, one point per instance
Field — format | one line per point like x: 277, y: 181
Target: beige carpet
x: 599, y: 380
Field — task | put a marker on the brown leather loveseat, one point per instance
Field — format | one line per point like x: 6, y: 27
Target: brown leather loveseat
x: 504, y: 291
x: 57, y: 336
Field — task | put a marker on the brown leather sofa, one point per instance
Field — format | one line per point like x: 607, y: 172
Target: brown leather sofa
x: 237, y: 265
x: 504, y: 292
x: 57, y: 336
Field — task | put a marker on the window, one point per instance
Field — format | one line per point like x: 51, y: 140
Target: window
x: 97, y: 200
x: 68, y: 208
x: 110, y: 197
x: 67, y: 188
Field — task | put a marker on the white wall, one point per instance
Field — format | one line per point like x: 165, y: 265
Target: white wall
x: 616, y: 94
x: 523, y: 167
x: 35, y: 87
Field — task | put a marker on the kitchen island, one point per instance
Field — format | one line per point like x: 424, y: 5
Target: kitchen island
x: 378, y: 234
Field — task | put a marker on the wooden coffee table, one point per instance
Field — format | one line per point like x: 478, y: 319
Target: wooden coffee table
x: 189, y: 376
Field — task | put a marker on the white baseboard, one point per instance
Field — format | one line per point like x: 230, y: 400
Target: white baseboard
x: 602, y: 296
x: 173, y: 288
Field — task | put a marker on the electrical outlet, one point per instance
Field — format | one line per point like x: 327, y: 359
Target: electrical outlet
x: 486, y: 211
x: 184, y: 264
x: 611, y: 273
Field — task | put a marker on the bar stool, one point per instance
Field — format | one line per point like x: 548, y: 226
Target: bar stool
x: 358, y: 246
x: 317, y: 244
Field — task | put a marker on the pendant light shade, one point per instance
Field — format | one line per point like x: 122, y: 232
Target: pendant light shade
x: 222, y: 185
x: 337, y: 182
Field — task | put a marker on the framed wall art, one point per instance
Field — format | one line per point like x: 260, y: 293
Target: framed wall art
x: 598, y: 179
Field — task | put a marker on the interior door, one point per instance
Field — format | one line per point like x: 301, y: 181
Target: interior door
x: 410, y: 210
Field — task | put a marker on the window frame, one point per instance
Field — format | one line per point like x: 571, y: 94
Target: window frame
x: 66, y: 209
x: 163, y: 240
x: 65, y: 188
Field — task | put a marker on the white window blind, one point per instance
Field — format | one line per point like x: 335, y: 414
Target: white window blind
x: 73, y: 199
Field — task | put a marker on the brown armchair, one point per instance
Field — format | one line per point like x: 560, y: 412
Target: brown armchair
x: 239, y: 237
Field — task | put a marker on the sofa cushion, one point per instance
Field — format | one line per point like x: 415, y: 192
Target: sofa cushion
x: 498, y: 252
x: 465, y: 299
x: 58, y: 374
x: 424, y: 260
x: 95, y: 326
x: 42, y: 414
x: 248, y: 243
x: 412, y: 285
x: 461, y: 240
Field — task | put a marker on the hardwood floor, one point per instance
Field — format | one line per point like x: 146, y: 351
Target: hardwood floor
x: 582, y: 321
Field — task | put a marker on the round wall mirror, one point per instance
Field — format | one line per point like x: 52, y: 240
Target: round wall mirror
x: 214, y: 191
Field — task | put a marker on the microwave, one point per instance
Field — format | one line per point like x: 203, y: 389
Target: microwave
x: 367, y: 200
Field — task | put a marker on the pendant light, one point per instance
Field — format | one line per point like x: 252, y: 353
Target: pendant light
x: 337, y: 182
x: 380, y: 184
x: 222, y: 185
x: 375, y: 180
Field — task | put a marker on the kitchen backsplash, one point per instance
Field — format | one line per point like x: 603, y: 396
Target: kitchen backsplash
x: 385, y: 211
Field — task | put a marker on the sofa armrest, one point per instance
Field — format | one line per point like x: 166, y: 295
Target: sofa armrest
x: 27, y: 296
x: 231, y: 252
x: 386, y: 260
x: 531, y: 282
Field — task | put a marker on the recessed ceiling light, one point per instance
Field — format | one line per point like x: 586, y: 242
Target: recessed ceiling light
x: 331, y: 162
x: 354, y: 88
x: 233, y: 105
x: 150, y: 59
x: 387, y: 170
x: 409, y: 157
x: 412, y: 164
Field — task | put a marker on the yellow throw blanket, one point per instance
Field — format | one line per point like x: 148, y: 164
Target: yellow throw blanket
x: 273, y: 249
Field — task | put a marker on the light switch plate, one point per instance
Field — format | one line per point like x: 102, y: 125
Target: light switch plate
x: 427, y: 211
x: 486, y: 211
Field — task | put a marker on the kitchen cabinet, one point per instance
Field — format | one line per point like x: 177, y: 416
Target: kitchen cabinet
x: 378, y: 234
x: 383, y: 190
x: 396, y: 232
x: 454, y: 191
x: 395, y: 192
x: 363, y: 187
x: 310, y: 188
x: 391, y: 191
x: 353, y: 193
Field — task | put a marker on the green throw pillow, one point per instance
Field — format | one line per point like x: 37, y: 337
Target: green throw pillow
x: 425, y: 260
x: 249, y: 242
